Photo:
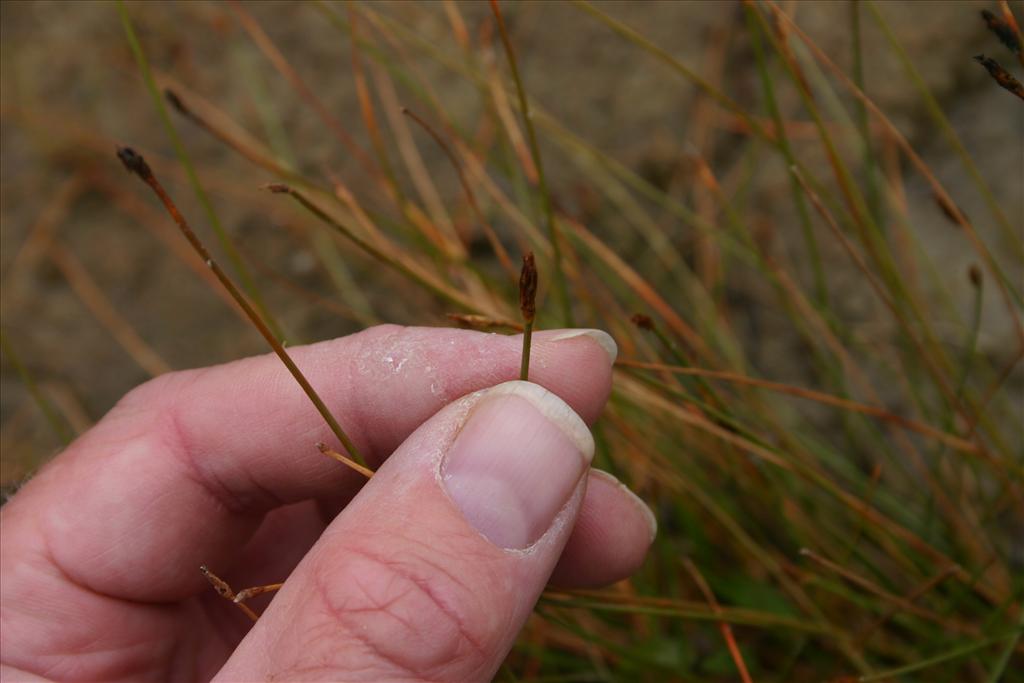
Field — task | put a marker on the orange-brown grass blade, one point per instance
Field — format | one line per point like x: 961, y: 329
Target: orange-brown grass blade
x: 348, y: 462
x: 1012, y: 25
x: 922, y: 168
x: 219, y: 125
x: 90, y: 294
x: 642, y: 397
x: 730, y: 640
x: 33, y: 248
x: 900, y: 602
x: 137, y: 165
x: 385, y: 254
x: 130, y: 204
x: 267, y: 47
x: 950, y: 440
x: 642, y: 289
x: 496, y: 245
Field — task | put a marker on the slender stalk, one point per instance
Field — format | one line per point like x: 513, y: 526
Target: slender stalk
x: 134, y: 162
x: 407, y: 269
x: 946, y: 656
x: 492, y: 237
x: 1007, y: 652
x: 813, y: 253
x: 348, y: 462
x: 45, y: 407
x: 863, y: 120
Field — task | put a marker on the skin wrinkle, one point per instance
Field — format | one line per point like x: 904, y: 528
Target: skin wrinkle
x: 82, y: 650
x: 174, y: 435
x: 446, y: 653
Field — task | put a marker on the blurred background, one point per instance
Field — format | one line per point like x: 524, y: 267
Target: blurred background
x: 99, y: 291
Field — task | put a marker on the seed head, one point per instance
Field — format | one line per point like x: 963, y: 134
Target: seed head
x: 528, y: 288
x: 644, y: 322
x: 974, y: 273
x: 134, y: 162
x: 1007, y: 36
x: 175, y: 101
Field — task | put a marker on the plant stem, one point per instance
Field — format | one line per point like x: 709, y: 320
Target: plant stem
x: 45, y: 407
x: 528, y: 306
x: 137, y: 165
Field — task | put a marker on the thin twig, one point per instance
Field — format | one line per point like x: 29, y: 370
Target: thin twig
x: 323, y: 448
x: 137, y: 165
x: 224, y: 590
x: 93, y: 297
x: 730, y: 640
x: 492, y: 237
x: 811, y: 395
x: 45, y: 407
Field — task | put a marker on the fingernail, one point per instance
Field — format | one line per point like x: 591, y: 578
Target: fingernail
x: 641, y: 505
x: 603, y: 339
x: 516, y: 462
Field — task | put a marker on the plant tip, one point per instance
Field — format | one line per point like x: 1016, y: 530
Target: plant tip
x: 1004, y: 32
x: 974, y: 274
x: 175, y: 101
x: 277, y: 188
x: 134, y: 162
x: 644, y: 322
x: 528, y: 287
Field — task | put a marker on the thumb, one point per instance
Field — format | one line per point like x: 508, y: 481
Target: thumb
x: 432, y: 570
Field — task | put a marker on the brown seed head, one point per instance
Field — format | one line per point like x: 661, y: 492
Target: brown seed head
x: 1001, y: 76
x: 974, y: 273
x: 1007, y: 36
x: 134, y: 162
x: 528, y: 287
x: 175, y: 101
x: 949, y: 210
x: 644, y: 322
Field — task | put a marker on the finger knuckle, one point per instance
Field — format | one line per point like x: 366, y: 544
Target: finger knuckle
x: 407, y: 615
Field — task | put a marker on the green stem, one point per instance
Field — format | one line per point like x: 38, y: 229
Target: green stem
x: 948, y: 655
x: 248, y: 283
x: 45, y: 407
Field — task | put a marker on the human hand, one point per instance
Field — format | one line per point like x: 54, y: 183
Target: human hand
x: 427, y: 574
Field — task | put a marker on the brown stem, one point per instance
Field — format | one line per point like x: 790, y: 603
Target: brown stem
x: 134, y: 162
x: 528, y: 306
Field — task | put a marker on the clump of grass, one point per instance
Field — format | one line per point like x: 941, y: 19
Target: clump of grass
x: 849, y: 545
x: 851, y: 513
